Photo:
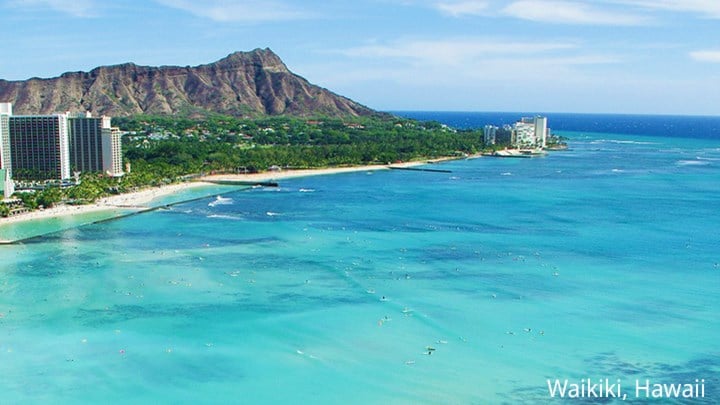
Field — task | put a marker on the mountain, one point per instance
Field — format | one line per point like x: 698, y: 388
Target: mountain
x: 242, y: 84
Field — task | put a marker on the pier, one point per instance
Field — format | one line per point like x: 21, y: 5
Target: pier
x: 242, y: 183
x: 418, y: 169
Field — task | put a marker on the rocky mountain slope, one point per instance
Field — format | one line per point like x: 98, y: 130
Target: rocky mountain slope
x: 242, y: 84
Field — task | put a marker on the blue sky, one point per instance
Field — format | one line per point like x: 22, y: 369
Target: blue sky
x: 618, y: 56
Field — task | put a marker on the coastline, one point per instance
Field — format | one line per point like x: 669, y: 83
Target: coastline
x: 295, y: 173
x: 140, y: 200
x: 137, y: 200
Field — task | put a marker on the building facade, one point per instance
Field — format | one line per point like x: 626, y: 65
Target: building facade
x: 85, y: 135
x: 39, y: 147
x: 52, y: 147
x: 541, y: 131
x: 530, y: 132
x: 112, y: 151
x: 525, y: 133
x: 7, y: 186
x: 94, y: 145
x: 489, y: 135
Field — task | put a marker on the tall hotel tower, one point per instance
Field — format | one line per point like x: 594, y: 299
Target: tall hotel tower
x: 112, y: 150
x: 94, y: 145
x: 52, y: 147
x: 531, y: 132
x: 7, y: 187
x: 39, y: 147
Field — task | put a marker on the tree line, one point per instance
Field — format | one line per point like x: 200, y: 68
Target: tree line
x: 166, y: 149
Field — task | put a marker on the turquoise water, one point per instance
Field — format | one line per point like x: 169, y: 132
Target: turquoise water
x: 32, y: 228
x: 597, y: 262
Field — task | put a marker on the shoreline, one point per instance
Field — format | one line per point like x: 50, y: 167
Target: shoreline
x: 139, y: 200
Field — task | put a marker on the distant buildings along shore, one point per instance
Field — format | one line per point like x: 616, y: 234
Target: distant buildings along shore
x: 528, y: 133
x: 42, y: 148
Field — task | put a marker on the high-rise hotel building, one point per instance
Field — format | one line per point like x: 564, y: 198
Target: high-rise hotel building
x: 112, y: 151
x: 7, y: 186
x: 94, y: 145
x: 52, y: 147
x: 530, y: 132
x: 39, y: 147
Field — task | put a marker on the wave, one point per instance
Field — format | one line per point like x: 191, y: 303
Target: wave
x: 221, y: 201
x: 692, y: 163
x: 272, y: 214
x: 307, y: 190
x: 618, y: 141
x: 225, y: 217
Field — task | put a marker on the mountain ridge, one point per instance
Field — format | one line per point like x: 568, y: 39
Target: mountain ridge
x: 243, y: 84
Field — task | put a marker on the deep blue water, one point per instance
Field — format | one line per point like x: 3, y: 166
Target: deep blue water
x: 602, y: 261
x: 676, y: 126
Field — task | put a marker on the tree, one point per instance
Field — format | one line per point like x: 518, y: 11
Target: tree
x: 49, y: 197
x: 29, y: 200
x: 4, y: 210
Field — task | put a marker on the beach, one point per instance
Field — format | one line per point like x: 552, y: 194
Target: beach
x: 141, y: 200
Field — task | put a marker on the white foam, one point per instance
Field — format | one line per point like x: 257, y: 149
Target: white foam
x: 224, y: 217
x: 221, y: 201
x: 692, y: 163
x: 618, y: 141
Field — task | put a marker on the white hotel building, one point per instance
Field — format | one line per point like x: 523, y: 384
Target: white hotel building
x: 7, y: 186
x: 530, y: 132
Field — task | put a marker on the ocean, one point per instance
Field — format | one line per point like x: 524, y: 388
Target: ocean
x: 397, y: 287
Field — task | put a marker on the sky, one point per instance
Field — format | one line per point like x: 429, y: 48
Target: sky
x: 588, y: 56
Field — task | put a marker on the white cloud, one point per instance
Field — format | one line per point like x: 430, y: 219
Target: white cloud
x: 76, y: 8
x: 565, y: 12
x: 239, y: 10
x: 451, y: 62
x: 457, y: 9
x: 707, y: 8
x: 454, y: 51
x: 706, y: 56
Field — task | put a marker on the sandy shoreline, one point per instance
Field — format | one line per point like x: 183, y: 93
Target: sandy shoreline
x: 139, y: 200
x: 136, y: 200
